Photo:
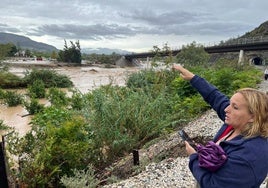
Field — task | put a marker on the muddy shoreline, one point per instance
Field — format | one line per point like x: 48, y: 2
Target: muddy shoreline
x: 86, y: 77
x: 50, y: 64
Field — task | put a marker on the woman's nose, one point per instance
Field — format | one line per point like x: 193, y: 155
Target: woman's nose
x: 226, y: 109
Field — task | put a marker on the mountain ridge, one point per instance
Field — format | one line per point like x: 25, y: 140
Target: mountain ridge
x: 25, y: 42
x: 260, y: 31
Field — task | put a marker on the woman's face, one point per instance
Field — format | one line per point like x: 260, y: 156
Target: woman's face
x: 237, y: 113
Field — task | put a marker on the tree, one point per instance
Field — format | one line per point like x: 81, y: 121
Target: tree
x: 157, y: 51
x: 28, y: 53
x: 70, y: 54
x: 165, y: 55
x: 167, y: 50
x: 7, y: 50
x: 13, y: 50
x: 54, y: 55
x: 193, y: 54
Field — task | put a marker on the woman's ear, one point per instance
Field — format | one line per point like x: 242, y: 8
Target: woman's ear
x: 251, y: 119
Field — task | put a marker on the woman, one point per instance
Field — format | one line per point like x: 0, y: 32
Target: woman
x: 243, y: 136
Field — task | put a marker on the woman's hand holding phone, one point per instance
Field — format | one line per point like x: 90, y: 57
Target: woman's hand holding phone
x: 189, y: 143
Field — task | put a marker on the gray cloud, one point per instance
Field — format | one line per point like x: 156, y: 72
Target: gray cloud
x: 165, y: 18
x: 115, y: 20
x: 7, y: 28
x: 94, y: 32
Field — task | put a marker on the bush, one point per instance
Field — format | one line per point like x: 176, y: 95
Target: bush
x: 151, y: 81
x: 77, y: 101
x: 193, y: 54
x: 57, y: 97
x: 33, y: 106
x: 9, y: 81
x: 2, y: 93
x: 82, y: 179
x: 13, y: 98
x: 49, y: 77
x: 123, y: 119
x: 52, y: 148
x: 182, y: 88
x: 3, y: 127
x: 37, y: 89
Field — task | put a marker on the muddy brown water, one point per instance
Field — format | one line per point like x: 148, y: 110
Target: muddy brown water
x: 85, y: 79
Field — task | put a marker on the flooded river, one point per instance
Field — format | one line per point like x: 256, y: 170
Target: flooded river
x: 85, y: 79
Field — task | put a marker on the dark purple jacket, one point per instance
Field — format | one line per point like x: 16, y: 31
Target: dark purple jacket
x: 247, y: 164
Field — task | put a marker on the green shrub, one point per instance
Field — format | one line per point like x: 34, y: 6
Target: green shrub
x: 151, y: 81
x: 223, y: 79
x: 226, y: 78
x: 51, y: 115
x: 82, y: 179
x: 247, y: 78
x: 77, y: 101
x: 37, y: 89
x: 50, y: 78
x: 12, y: 98
x: 33, y: 106
x: 140, y: 79
x: 192, y: 106
x: 193, y: 54
x: 182, y: 88
x: 9, y: 81
x: 2, y: 93
x: 123, y: 119
x: 52, y: 148
x: 3, y: 127
x: 57, y: 97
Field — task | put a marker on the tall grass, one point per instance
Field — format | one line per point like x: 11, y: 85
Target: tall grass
x: 123, y: 119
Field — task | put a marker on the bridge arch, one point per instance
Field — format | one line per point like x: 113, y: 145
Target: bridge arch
x: 257, y: 60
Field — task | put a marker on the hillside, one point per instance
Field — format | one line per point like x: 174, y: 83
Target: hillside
x: 261, y: 31
x: 25, y: 42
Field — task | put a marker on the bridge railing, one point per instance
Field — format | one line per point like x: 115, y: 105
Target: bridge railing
x: 239, y: 41
x: 231, y: 42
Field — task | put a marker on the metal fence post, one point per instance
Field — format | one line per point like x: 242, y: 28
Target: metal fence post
x: 136, y: 159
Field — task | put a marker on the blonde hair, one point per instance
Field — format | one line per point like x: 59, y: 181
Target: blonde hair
x: 257, y: 102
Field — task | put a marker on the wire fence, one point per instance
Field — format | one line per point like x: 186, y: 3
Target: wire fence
x: 252, y: 40
x: 237, y: 41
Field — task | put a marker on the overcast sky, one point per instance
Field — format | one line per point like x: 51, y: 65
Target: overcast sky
x: 133, y: 25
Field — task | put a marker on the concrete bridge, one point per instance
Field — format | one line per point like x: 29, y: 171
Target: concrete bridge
x: 256, y: 48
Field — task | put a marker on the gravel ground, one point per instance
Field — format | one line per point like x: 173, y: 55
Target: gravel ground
x: 174, y: 172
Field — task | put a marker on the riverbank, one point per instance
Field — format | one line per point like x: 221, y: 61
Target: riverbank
x: 84, y: 78
x: 174, y: 172
x: 32, y: 63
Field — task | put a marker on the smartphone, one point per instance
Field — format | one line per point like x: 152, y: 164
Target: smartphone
x: 185, y: 137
